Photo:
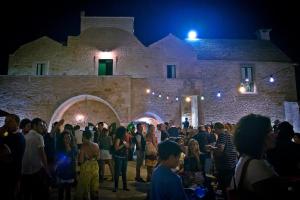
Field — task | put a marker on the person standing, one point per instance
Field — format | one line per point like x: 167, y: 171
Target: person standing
x: 140, y: 142
x: 34, y: 164
x: 121, y: 158
x: 225, y: 157
x: 165, y: 183
x: 88, y: 181
x: 13, y: 143
x: 151, y: 151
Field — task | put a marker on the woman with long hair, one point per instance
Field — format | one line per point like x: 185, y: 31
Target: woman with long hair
x: 120, y: 156
x: 151, y: 151
x: 88, y: 182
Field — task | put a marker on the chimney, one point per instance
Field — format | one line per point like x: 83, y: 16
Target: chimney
x: 263, y: 34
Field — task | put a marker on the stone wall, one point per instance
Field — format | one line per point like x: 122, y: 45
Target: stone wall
x: 40, y: 96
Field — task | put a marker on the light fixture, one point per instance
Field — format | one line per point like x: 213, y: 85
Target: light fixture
x: 176, y: 98
x: 159, y: 95
x: 247, y: 79
x: 202, y: 98
x: 79, y: 118
x: 167, y: 97
x: 271, y: 80
x: 242, y: 89
x: 153, y: 93
x: 219, y: 94
x: 188, y: 99
x: 192, y: 36
x: 148, y: 91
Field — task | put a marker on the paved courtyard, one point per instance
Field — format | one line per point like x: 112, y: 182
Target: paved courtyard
x: 138, y: 191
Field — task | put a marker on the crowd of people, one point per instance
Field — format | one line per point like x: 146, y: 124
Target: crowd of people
x: 250, y: 158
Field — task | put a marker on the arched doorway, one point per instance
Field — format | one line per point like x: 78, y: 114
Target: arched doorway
x: 83, y: 109
x: 150, y: 118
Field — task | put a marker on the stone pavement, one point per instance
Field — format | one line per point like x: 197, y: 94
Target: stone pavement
x: 138, y: 191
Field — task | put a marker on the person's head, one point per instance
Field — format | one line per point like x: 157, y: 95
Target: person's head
x: 208, y: 128
x: 169, y: 153
x: 285, y: 131
x: 167, y: 125
x: 100, y: 126
x: 12, y: 122
x: 37, y: 125
x: 77, y: 127
x: 25, y: 125
x: 139, y: 127
x: 186, y: 119
x: 69, y: 128
x: 158, y: 127
x: 87, y: 135
x: 201, y: 128
x: 254, y: 135
x: 66, y: 137
x: 193, y: 147
x: 219, y: 128
x: 120, y: 132
x: 162, y: 127
x: 297, y: 138
x: 45, y: 127
x: 151, y: 129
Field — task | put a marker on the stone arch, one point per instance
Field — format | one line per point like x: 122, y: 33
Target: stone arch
x: 58, y: 113
x: 149, y: 115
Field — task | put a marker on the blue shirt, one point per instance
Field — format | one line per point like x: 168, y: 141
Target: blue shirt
x: 166, y: 185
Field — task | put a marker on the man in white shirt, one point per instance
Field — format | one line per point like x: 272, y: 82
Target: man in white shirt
x: 78, y: 136
x: 34, y: 164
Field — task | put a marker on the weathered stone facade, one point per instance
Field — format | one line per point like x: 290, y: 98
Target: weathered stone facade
x: 202, y: 68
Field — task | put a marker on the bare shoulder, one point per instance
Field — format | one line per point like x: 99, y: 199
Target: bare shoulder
x: 95, y: 145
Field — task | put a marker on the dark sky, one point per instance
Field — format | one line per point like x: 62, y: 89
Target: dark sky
x: 24, y: 21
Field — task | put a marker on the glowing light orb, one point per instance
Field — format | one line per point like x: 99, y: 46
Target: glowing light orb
x: 148, y: 91
x: 192, y: 35
x: 79, y: 118
x: 242, y: 89
x: 188, y: 99
x: 271, y: 79
x: 219, y: 94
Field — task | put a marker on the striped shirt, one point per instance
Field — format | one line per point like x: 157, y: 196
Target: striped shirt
x: 228, y: 159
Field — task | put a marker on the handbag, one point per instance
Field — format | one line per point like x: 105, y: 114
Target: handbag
x: 237, y: 193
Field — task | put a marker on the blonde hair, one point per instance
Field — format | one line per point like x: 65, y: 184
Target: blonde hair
x: 193, y: 143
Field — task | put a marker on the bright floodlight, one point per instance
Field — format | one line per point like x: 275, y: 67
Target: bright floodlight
x: 188, y: 99
x: 79, y: 117
x: 219, y: 94
x: 192, y: 35
x: 271, y: 79
x: 242, y: 89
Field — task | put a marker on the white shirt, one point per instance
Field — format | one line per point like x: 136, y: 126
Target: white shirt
x: 78, y: 136
x: 32, y: 161
x: 257, y: 170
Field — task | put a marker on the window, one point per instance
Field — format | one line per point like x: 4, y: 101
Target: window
x: 171, y: 71
x: 247, y: 77
x: 105, y: 67
x: 41, y: 69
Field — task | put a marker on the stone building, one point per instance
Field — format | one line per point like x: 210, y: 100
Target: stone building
x: 107, y: 74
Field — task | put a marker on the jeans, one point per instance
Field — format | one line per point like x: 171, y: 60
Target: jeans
x: 120, y: 167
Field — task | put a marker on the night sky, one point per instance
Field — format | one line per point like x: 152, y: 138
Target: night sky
x: 25, y: 21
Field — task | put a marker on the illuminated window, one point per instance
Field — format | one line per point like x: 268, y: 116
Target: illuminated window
x: 41, y: 69
x: 105, y: 67
x: 171, y: 71
x: 247, y: 77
